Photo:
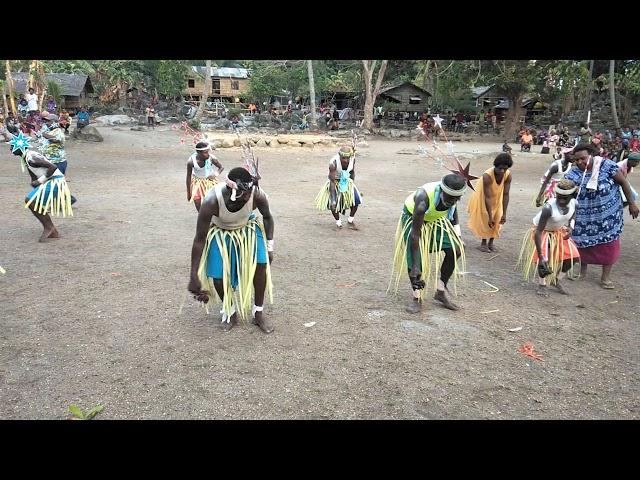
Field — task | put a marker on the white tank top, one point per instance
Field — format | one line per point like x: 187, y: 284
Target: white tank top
x: 335, y: 160
x: 202, y: 172
x: 557, y: 220
x: 231, y: 220
x: 39, y: 171
x: 559, y: 175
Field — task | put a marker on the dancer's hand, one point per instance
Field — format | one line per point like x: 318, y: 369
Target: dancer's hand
x: 633, y: 210
x: 333, y: 205
x: 270, y: 254
x: 568, y: 231
x: 491, y: 223
x: 195, y: 287
x: 188, y: 196
x: 231, y: 184
x: 538, y: 202
x: 503, y: 220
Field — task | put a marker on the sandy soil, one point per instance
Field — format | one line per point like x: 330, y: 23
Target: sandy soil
x: 102, y: 315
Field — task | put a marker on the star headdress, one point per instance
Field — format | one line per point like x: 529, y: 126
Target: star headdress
x: 464, y: 172
x: 20, y: 142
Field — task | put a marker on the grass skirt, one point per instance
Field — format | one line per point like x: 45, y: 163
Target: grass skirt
x: 52, y: 197
x: 200, y: 186
x: 556, y: 249
x: 243, y: 242
x: 345, y: 200
x: 435, y: 236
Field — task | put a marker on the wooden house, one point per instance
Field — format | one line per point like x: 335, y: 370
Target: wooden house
x: 75, y: 87
x: 404, y: 97
x: 227, y: 84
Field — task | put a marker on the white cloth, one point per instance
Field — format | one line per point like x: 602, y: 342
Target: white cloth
x: 592, y: 184
x: 32, y: 101
x: 557, y: 220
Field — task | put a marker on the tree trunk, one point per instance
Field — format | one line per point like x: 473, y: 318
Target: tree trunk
x: 589, y: 94
x: 612, y: 93
x: 9, y: 80
x: 371, y: 93
x: 513, y: 115
x: 312, y: 93
x: 205, y: 93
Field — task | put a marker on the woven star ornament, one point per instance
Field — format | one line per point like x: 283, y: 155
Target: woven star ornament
x: 464, y: 172
x: 19, y: 142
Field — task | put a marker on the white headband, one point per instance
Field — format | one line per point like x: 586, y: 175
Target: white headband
x: 560, y: 191
x: 201, y: 149
x: 451, y: 191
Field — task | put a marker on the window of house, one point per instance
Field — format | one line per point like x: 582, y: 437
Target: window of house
x: 192, y: 83
x: 215, y: 85
x: 235, y: 85
x: 414, y: 100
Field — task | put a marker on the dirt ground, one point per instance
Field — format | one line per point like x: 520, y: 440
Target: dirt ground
x: 102, y: 315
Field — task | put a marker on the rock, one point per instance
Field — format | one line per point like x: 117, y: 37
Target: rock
x: 216, y: 143
x: 138, y: 128
x: 261, y: 143
x: 115, y: 120
x: 267, y: 141
x: 282, y: 140
x: 88, y: 134
x: 227, y: 143
x: 236, y: 142
x: 362, y: 144
x: 142, y: 120
x: 308, y: 144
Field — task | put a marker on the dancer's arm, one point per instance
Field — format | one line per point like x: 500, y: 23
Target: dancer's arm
x: 505, y: 199
x: 333, y: 195
x: 486, y: 190
x: 208, y: 209
x: 626, y: 188
x: 189, y: 169
x: 542, y: 224
x: 421, y: 206
x: 261, y: 202
x: 545, y: 182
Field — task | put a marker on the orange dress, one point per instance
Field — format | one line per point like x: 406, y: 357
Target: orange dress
x: 477, y: 210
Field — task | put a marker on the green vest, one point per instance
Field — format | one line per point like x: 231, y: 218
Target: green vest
x: 431, y: 214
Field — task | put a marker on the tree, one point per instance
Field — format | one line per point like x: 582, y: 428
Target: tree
x: 312, y: 92
x: 612, y: 93
x: 205, y: 93
x: 55, y: 90
x: 9, y: 80
x: 115, y: 77
x: 371, y: 92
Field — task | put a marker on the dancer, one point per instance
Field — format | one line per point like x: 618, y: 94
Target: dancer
x: 200, y: 174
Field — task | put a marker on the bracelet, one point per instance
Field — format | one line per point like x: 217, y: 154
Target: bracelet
x: 270, y: 245
x: 42, y: 179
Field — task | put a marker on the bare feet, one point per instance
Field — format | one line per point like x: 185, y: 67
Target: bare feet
x: 542, y: 291
x: 492, y: 247
x: 227, y: 326
x: 415, y: 306
x: 483, y: 248
x: 49, y: 233
x: 263, y: 322
x: 441, y: 297
x: 560, y: 288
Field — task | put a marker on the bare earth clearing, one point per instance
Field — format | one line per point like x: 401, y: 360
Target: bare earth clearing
x: 102, y: 315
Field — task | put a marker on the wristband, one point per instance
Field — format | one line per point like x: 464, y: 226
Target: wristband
x: 42, y: 179
x: 270, y: 245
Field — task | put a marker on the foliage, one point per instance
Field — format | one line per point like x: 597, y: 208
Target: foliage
x: 195, y: 124
x: 54, y: 89
x: 78, y: 414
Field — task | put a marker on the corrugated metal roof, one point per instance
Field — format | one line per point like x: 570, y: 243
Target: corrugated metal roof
x: 478, y: 91
x: 72, y: 84
x: 223, y: 71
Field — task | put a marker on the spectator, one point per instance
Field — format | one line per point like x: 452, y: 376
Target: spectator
x: 64, y: 121
x: 32, y: 101
x: 526, y: 141
x: 634, y: 144
x: 83, y: 118
x: 23, y: 105
x: 626, y: 133
x: 336, y: 120
x: 151, y: 116
x: 51, y: 105
x: 12, y: 124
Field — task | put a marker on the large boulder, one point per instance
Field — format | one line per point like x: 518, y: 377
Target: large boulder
x: 115, y: 120
x: 226, y: 143
x: 88, y: 134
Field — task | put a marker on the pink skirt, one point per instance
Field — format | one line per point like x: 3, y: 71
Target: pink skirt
x: 603, y: 254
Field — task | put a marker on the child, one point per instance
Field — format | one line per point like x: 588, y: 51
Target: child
x: 200, y: 175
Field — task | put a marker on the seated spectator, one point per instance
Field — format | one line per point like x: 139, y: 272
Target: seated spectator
x: 506, y: 148
x: 83, y: 118
x: 634, y: 144
x: 526, y: 141
x: 65, y: 121
x: 51, y: 105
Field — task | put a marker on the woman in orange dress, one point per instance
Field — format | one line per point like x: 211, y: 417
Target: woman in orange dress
x: 488, y: 205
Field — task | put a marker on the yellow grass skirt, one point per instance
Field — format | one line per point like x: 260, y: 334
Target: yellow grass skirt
x: 435, y: 236
x: 53, y: 197
x: 344, y: 200
x: 242, y: 241
x: 556, y: 249
x: 200, y: 186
